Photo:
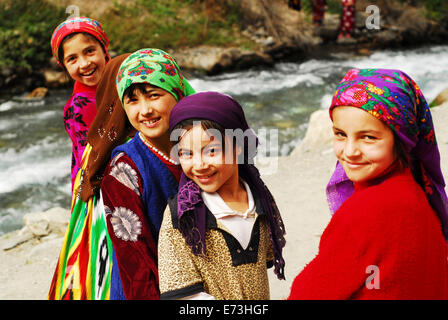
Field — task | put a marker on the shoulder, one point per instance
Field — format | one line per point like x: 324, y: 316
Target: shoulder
x: 167, y: 222
x: 169, y: 228
x: 400, y: 192
x: 171, y: 211
x: 121, y: 168
x: 396, y: 203
x: 121, y: 160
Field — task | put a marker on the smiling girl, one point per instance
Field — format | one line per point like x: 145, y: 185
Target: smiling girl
x: 79, y: 45
x: 140, y: 176
x: 223, y: 229
x: 387, y: 237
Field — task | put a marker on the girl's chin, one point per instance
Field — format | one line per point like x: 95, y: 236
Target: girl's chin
x: 91, y: 82
x: 153, y: 135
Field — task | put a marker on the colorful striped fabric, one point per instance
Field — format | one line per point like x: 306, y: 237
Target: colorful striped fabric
x: 83, y: 271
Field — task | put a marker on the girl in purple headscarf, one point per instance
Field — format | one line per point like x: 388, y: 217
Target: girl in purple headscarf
x: 223, y: 229
x: 387, y: 237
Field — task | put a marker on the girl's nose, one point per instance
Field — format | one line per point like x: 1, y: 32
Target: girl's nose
x: 145, y: 107
x: 351, y: 148
x: 84, y: 62
x: 198, y: 162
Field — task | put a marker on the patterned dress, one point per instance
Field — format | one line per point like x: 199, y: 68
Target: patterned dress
x: 318, y: 7
x: 227, y: 271
x: 347, y: 17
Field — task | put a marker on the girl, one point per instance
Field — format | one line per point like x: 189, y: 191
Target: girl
x: 84, y: 266
x: 387, y: 238
x: 79, y: 45
x: 141, y: 177
x: 220, y: 231
x: 318, y: 7
x: 347, y: 18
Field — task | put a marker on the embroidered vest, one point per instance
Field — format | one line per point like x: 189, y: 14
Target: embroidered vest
x: 159, y: 183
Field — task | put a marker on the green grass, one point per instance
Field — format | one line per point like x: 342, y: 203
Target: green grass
x: 171, y: 24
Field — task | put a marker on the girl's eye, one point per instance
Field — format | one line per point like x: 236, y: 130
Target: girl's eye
x: 367, y: 137
x: 212, y: 151
x: 184, y: 153
x: 152, y: 94
x: 339, y: 134
x: 131, y: 100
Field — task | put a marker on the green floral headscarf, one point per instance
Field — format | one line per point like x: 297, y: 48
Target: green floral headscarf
x: 155, y: 67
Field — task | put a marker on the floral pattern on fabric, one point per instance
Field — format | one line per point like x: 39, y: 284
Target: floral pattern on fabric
x: 155, y: 67
x: 381, y: 95
x: 188, y: 197
x: 126, y: 224
x: 79, y: 113
x: 126, y: 175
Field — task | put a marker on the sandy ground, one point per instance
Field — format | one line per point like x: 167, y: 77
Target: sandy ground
x: 299, y: 189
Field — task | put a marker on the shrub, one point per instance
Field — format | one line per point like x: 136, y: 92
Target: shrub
x: 25, y: 30
x: 170, y: 24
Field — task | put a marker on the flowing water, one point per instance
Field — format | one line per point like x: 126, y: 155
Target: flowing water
x: 35, y: 150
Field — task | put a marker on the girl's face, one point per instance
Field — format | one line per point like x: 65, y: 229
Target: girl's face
x: 84, y: 59
x: 204, y: 160
x: 149, y: 111
x: 363, y: 144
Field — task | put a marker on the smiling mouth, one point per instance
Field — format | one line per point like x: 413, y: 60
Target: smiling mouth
x: 206, y: 178
x: 152, y: 122
x: 354, y: 165
x: 88, y: 74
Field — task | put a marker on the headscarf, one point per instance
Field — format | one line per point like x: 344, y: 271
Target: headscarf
x: 394, y: 98
x: 155, y: 67
x: 228, y: 113
x: 109, y: 129
x: 75, y: 25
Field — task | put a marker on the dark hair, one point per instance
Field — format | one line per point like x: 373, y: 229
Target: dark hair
x: 206, y: 124
x: 67, y: 37
x: 139, y: 87
x: 403, y: 157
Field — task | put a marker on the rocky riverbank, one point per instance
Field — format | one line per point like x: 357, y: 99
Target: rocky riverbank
x: 279, y: 34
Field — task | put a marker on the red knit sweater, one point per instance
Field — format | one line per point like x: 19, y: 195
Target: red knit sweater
x: 384, y: 242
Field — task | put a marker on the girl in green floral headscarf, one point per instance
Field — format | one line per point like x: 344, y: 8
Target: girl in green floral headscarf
x: 141, y: 176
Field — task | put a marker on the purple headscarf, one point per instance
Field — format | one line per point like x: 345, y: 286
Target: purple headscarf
x: 394, y: 98
x: 228, y: 113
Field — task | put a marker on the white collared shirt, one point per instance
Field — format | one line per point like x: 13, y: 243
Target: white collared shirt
x: 237, y: 223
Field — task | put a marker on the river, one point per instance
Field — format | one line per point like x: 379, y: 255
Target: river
x: 35, y: 150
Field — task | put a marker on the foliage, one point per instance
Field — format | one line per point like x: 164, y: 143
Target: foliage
x: 171, y: 24
x: 333, y: 6
x: 25, y: 30
x: 435, y: 9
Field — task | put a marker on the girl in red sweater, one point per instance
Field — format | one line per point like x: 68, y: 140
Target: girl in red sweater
x: 387, y: 237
